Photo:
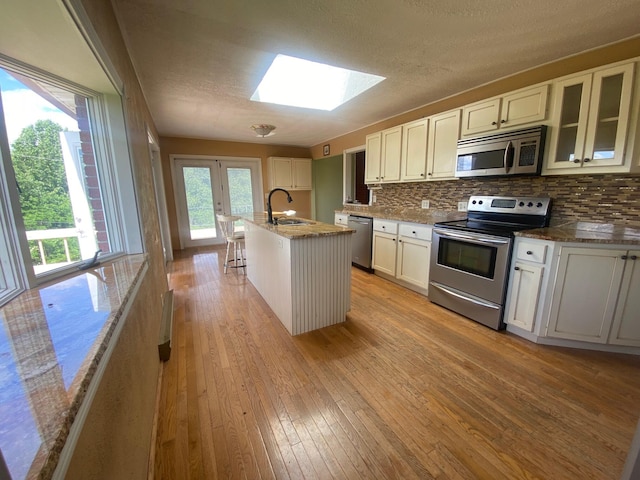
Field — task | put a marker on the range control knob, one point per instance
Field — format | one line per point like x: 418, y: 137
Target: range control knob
x: 474, y: 202
x: 480, y: 202
x: 530, y: 204
x: 521, y: 204
x: 539, y: 204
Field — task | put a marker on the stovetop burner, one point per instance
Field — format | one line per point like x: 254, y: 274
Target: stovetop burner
x: 470, y: 225
x: 502, y: 216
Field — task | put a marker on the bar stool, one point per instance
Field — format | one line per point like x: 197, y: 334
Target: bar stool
x: 227, y: 225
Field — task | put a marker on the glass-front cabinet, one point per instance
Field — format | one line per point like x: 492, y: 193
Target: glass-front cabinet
x: 590, y: 119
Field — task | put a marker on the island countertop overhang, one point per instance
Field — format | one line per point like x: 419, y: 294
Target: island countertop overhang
x: 311, y: 229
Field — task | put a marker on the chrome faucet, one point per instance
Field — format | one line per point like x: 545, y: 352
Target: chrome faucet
x: 269, y: 209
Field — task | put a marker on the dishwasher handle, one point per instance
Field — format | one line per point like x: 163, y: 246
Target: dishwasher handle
x: 361, y: 222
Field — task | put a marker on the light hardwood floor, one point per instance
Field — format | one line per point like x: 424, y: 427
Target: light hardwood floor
x: 403, y: 389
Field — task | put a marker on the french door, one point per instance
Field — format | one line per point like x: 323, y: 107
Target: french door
x: 206, y: 186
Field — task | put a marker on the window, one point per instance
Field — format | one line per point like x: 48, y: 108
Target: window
x: 63, y: 191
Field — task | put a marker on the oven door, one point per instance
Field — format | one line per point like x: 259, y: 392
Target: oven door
x: 471, y: 262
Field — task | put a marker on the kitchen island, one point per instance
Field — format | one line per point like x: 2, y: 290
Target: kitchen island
x: 303, y: 271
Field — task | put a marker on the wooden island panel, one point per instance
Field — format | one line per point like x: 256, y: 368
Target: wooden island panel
x: 302, y: 272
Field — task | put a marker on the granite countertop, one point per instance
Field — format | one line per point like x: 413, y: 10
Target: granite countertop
x: 586, y: 232
x: 51, y: 341
x: 293, y: 232
x: 426, y: 216
x: 581, y: 232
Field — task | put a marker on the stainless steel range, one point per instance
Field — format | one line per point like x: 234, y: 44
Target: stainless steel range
x: 470, y: 258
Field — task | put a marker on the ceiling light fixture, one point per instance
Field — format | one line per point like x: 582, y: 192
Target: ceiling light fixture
x: 263, y: 129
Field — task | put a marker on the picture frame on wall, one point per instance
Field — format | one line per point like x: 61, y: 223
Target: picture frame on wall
x: 325, y: 150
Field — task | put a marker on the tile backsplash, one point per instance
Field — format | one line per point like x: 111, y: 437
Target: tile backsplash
x: 593, y: 198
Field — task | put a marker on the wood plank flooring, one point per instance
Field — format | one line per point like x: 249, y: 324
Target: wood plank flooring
x: 403, y: 389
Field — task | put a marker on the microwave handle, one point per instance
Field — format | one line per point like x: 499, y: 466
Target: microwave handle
x: 509, y: 153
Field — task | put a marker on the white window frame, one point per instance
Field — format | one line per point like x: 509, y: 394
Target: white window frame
x: 111, y: 151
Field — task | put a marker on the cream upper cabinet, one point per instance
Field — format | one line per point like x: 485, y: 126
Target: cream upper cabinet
x: 414, y: 150
x: 383, y: 156
x: 290, y: 173
x: 373, y: 159
x: 390, y: 154
x: 302, y: 176
x: 442, y: 144
x: 517, y: 108
x: 481, y: 117
x: 590, y: 121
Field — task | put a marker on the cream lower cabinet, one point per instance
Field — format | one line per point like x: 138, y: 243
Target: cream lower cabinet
x: 341, y: 219
x: 385, y: 245
x: 523, y: 307
x: 414, y: 254
x: 530, y: 260
x: 401, y: 253
x: 593, y: 299
x: 626, y: 321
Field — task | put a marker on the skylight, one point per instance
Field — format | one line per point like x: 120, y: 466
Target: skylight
x: 302, y: 83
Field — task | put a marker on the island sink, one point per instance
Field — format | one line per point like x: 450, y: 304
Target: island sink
x: 292, y: 221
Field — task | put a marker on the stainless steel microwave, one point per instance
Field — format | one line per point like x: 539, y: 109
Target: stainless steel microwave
x: 517, y: 152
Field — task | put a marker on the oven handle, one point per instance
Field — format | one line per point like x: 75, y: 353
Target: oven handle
x: 471, y: 238
x: 464, y: 297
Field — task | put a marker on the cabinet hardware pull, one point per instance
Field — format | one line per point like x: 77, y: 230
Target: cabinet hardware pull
x: 413, y: 232
x: 623, y: 257
x: 494, y: 123
x: 422, y: 174
x: 516, y: 268
x: 576, y: 160
x: 633, y: 257
x: 503, y: 121
x: 429, y: 173
x: 586, y: 160
x: 529, y: 252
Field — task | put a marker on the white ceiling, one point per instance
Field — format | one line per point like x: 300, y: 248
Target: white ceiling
x: 200, y: 61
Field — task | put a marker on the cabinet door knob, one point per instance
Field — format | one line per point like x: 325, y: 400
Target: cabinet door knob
x: 529, y: 252
x: 503, y: 121
x: 623, y: 257
x: 576, y: 160
x: 422, y: 174
x: 413, y: 232
x: 586, y: 160
x: 516, y: 268
x: 494, y: 123
x: 633, y: 257
x: 429, y: 173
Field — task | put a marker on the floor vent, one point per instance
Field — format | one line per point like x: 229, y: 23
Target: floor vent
x: 166, y: 327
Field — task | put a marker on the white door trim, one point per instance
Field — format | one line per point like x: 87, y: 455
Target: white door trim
x: 178, y: 189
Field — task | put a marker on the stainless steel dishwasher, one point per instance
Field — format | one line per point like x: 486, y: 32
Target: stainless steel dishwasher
x: 361, y: 241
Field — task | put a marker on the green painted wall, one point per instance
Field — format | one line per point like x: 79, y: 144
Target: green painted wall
x: 327, y: 187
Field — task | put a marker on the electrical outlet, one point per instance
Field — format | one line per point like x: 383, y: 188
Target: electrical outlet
x: 462, y: 206
x: 425, y: 203
x: 373, y: 198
